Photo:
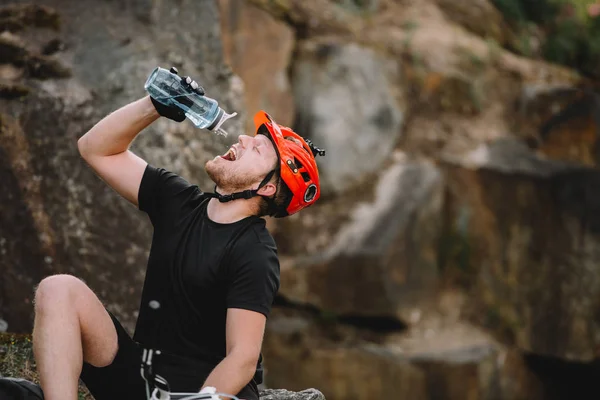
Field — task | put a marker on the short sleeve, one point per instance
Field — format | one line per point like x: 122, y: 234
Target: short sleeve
x: 254, y: 279
x: 163, y: 194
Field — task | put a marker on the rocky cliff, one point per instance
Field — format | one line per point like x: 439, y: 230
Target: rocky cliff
x: 453, y: 252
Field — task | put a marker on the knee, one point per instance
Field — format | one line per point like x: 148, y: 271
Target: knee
x: 54, y: 290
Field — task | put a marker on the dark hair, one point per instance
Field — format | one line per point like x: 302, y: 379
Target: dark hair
x: 275, y: 204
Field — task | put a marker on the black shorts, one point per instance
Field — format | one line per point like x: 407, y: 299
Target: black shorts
x: 122, y: 379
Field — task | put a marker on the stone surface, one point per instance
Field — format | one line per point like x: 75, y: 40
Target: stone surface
x: 478, y: 16
x: 298, y: 352
x: 562, y: 123
x: 451, y: 361
x: 528, y: 230
x: 316, y: 17
x: 16, y: 17
x: 517, y: 231
x: 58, y: 217
x: 282, y: 394
x: 346, y: 102
x: 461, y: 362
x: 379, y: 262
x: 259, y: 49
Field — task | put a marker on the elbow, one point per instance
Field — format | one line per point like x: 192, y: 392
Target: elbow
x: 246, y: 365
x: 248, y: 369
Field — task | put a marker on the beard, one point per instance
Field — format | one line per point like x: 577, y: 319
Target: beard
x: 228, y: 178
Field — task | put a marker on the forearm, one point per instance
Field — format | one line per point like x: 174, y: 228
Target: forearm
x: 115, y: 132
x: 231, y: 375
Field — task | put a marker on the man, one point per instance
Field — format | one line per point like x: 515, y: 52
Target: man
x: 213, y: 266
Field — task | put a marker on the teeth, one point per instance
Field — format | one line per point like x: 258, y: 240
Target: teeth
x: 231, y: 154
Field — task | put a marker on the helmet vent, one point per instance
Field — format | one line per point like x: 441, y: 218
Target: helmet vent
x: 310, y: 193
x: 306, y: 176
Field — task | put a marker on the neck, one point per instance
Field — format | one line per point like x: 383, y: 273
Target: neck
x: 231, y: 211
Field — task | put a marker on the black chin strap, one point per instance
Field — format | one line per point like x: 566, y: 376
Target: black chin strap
x: 246, y: 194
x: 224, y: 198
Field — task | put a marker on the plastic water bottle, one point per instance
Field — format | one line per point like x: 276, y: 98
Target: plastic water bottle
x: 204, y: 112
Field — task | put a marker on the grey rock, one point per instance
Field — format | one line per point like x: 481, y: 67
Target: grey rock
x: 453, y: 361
x: 58, y: 217
x: 379, y: 261
x: 282, y: 394
x: 346, y: 103
x: 510, y: 156
x: 528, y: 236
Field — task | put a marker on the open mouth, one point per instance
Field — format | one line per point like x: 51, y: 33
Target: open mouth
x: 230, y: 155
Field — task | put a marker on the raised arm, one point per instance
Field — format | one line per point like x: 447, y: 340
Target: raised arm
x: 105, y: 147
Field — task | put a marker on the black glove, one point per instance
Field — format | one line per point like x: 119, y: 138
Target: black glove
x: 173, y: 112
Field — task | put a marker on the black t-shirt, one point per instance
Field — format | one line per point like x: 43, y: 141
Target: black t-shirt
x: 191, y: 274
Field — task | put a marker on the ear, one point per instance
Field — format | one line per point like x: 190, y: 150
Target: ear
x: 268, y: 190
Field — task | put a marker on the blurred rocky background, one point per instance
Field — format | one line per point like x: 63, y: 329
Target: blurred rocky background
x: 454, y: 253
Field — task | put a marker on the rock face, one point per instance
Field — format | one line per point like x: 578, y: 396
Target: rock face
x: 478, y: 16
x: 454, y: 361
x: 561, y: 123
x: 282, y: 394
x: 381, y: 261
x: 346, y: 103
x: 58, y: 216
x: 327, y: 363
x: 452, y: 166
x: 259, y: 48
x: 532, y: 230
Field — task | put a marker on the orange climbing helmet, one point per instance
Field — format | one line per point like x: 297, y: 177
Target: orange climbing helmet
x: 297, y: 165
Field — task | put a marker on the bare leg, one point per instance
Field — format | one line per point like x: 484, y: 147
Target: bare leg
x: 71, y: 325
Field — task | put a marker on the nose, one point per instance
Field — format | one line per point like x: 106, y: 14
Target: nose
x: 244, y: 139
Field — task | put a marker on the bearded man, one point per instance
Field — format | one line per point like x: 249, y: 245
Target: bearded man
x: 213, y: 266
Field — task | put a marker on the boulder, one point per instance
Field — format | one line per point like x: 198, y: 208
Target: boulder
x: 526, y: 240
x: 316, y: 17
x: 283, y: 394
x: 16, y: 17
x: 57, y: 216
x: 459, y: 363
x: 432, y: 360
x: 561, y: 122
x: 373, y: 256
x: 346, y: 102
x: 477, y: 16
x: 259, y: 49
x: 298, y: 351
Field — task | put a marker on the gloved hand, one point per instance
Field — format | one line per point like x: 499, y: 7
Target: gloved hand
x: 172, y: 112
